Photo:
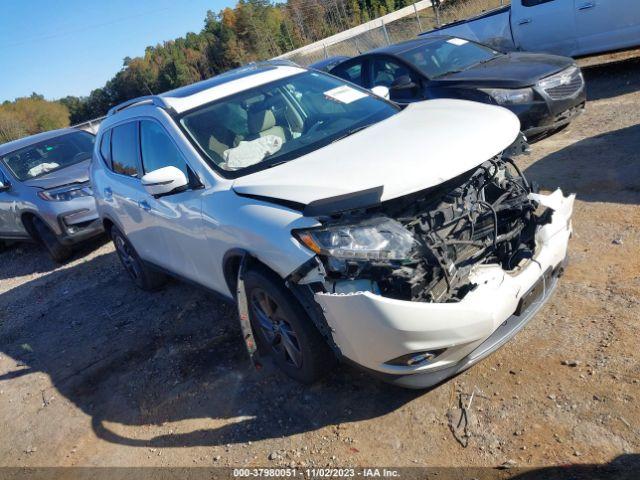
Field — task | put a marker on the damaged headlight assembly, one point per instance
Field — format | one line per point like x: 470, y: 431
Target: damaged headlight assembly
x: 375, y: 239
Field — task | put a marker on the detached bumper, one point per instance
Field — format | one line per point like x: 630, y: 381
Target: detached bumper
x: 372, y: 330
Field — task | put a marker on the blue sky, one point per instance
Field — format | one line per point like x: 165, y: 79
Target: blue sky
x: 69, y: 47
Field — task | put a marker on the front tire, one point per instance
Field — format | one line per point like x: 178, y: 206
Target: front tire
x: 145, y: 278
x: 59, y: 253
x: 284, y: 330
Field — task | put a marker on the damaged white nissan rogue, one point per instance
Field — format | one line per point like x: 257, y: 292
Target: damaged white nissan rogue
x: 406, y: 241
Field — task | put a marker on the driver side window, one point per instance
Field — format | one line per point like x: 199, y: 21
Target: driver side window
x: 386, y: 72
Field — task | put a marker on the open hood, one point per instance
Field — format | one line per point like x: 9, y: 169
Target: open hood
x: 423, y: 146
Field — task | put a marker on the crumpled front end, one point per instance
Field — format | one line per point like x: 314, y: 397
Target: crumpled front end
x: 487, y: 254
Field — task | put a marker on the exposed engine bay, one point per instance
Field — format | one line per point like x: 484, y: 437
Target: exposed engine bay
x: 484, y: 216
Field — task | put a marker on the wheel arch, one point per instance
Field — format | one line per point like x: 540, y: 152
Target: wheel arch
x: 231, y: 267
x: 27, y: 218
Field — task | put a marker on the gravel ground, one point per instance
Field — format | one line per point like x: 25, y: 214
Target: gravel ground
x: 96, y: 373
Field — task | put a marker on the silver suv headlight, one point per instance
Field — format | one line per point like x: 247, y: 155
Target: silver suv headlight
x: 510, y: 96
x: 379, y: 238
x: 65, y: 194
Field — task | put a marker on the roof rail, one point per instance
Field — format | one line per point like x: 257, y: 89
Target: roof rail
x: 134, y: 102
x: 279, y: 62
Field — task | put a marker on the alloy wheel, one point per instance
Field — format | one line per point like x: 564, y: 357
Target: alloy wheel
x: 127, y: 258
x: 278, y: 332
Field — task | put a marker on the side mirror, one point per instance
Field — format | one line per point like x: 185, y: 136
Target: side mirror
x: 165, y: 181
x: 4, y: 185
x: 403, y: 82
x: 381, y: 91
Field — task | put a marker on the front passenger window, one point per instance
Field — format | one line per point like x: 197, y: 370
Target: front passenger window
x: 158, y: 150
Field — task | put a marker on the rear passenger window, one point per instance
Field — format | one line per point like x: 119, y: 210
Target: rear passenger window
x: 124, y: 149
x: 105, y: 148
x: 158, y: 150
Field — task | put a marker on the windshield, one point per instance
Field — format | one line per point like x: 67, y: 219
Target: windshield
x: 53, y: 154
x: 448, y: 55
x: 281, y: 121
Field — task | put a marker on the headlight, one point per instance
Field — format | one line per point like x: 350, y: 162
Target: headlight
x: 508, y: 96
x: 66, y: 193
x: 379, y: 238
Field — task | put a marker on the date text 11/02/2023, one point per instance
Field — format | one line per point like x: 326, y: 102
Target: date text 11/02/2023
x: 315, y: 473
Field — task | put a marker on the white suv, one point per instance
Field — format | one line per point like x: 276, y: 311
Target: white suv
x: 403, y: 240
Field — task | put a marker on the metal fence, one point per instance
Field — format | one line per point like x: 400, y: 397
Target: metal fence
x: 395, y: 27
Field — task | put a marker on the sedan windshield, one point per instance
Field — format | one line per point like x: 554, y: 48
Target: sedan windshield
x: 281, y: 121
x: 53, y: 154
x: 448, y: 55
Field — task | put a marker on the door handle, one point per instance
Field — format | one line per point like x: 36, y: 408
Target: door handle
x: 524, y: 21
x: 144, y: 205
x: 586, y: 6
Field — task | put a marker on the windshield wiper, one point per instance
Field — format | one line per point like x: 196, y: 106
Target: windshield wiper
x: 352, y: 132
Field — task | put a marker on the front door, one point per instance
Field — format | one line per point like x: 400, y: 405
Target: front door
x: 544, y: 26
x: 179, y: 245
x: 10, y: 225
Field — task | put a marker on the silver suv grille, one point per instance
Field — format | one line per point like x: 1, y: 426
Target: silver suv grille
x: 564, y: 84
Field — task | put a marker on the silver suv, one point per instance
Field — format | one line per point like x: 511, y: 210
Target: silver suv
x: 44, y: 191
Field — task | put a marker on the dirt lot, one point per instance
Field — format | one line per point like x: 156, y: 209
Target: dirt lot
x: 94, y: 372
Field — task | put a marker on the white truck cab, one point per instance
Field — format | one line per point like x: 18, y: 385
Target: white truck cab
x: 564, y: 27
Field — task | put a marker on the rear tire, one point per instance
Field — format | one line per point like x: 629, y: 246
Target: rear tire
x: 59, y: 253
x: 144, y: 277
x: 284, y: 330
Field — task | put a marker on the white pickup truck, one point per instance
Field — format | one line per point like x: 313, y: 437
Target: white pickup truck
x: 565, y: 27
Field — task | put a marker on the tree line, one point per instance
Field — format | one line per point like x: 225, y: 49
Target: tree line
x: 251, y: 31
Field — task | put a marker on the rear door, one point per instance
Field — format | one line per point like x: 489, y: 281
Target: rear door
x: 544, y: 26
x: 125, y: 193
x: 604, y: 25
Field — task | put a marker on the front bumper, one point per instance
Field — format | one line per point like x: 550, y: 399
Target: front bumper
x: 546, y: 114
x: 371, y: 330
x: 74, y: 225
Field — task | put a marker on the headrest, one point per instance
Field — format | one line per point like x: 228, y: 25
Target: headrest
x: 261, y: 120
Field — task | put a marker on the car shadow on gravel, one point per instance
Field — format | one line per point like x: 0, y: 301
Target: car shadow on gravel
x: 624, y: 467
x: 130, y: 359
x: 26, y: 258
x: 611, y: 80
x: 604, y: 168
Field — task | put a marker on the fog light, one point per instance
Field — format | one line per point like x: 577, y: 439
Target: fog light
x: 416, y: 359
